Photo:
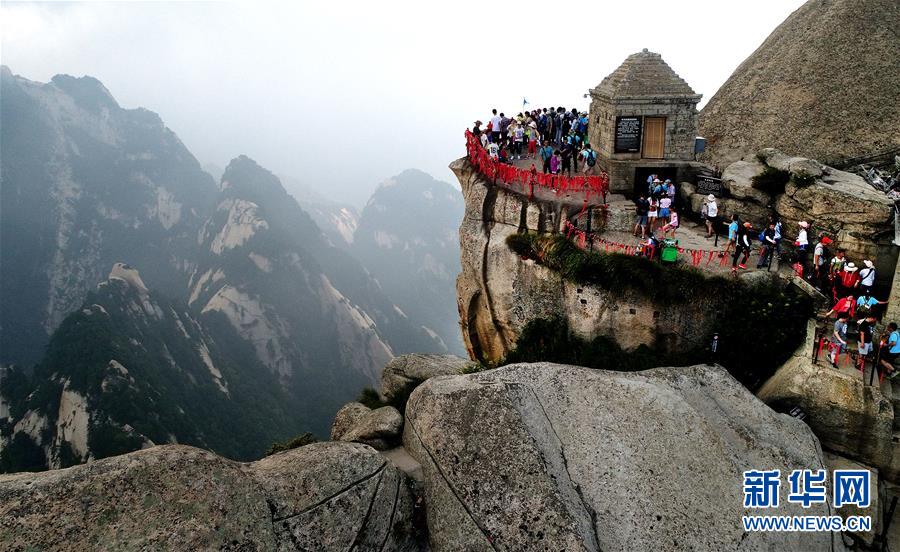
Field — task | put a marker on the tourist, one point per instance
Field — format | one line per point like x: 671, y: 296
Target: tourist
x: 518, y: 140
x: 642, y: 207
x: 533, y: 137
x: 768, y: 245
x: 844, y: 305
x: 504, y: 126
x: 476, y: 130
x: 867, y: 304
x: 670, y: 190
x: 583, y: 124
x: 558, y: 126
x: 801, y: 243
x: 839, y: 341
x: 651, y: 246
x: 555, y: 162
x: 493, y: 150
x: 590, y: 158
x: 742, y: 247
x: 672, y: 224
x: 849, y: 279
x: 568, y: 152
x: 665, y: 204
x: 778, y: 235
x: 889, y: 356
x: 867, y: 277
x: 651, y: 182
x: 712, y: 213
x: 652, y: 214
x: 504, y: 152
x: 732, y: 234
x: 495, y: 127
x: 819, y: 258
x: 837, y: 262
x: 835, y: 268
x: 864, y: 347
x: 546, y: 154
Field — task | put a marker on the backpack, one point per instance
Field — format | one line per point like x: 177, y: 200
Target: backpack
x: 848, y: 279
x: 762, y: 236
x: 591, y: 158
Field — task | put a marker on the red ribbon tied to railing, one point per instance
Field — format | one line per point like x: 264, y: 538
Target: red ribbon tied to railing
x: 509, y: 174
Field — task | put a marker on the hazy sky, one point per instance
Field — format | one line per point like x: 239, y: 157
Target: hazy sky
x: 343, y: 95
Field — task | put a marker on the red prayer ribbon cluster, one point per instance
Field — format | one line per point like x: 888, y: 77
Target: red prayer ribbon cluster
x: 697, y: 255
x: 510, y: 174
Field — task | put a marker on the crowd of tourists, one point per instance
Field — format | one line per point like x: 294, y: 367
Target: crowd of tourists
x: 655, y: 210
x: 848, y: 285
x: 557, y: 137
x: 853, y: 302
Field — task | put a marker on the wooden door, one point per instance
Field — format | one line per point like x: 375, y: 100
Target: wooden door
x: 654, y: 138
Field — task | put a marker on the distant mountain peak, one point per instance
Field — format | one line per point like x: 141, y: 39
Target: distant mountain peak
x: 88, y: 92
x: 129, y: 275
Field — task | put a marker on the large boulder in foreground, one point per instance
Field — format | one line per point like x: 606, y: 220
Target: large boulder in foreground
x: 404, y: 373
x: 324, y: 496
x: 550, y: 457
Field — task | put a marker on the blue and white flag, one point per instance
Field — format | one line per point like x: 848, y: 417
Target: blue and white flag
x: 524, y: 103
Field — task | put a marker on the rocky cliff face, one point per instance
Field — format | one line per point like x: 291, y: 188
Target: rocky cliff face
x: 86, y: 184
x: 823, y: 85
x: 498, y: 292
x: 131, y: 369
x: 407, y: 239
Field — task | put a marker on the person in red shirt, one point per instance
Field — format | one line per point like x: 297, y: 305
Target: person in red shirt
x: 844, y: 305
x: 849, y: 279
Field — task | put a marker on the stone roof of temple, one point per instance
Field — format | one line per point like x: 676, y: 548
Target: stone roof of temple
x: 644, y: 74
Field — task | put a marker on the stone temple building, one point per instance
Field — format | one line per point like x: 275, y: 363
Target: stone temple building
x: 644, y: 120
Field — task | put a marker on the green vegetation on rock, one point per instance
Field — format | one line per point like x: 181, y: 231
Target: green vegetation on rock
x: 761, y: 324
x: 299, y: 441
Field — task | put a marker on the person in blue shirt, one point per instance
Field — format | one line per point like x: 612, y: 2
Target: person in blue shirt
x: 866, y: 304
x: 890, y: 350
x: 546, y: 154
x: 732, y: 234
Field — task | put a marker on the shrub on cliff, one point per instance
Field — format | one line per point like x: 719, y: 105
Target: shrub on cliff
x: 759, y: 327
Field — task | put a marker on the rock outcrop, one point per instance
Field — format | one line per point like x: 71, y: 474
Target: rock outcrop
x: 498, y: 292
x: 849, y: 417
x: 346, y: 418
x: 544, y: 456
x: 324, y: 496
x: 842, y: 204
x: 823, y: 85
x: 835, y: 462
x: 380, y: 428
x: 406, y: 372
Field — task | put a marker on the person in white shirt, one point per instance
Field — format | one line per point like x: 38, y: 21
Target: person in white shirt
x: 495, y: 126
x: 867, y: 277
x: 802, y: 244
x: 712, y: 214
x: 494, y: 150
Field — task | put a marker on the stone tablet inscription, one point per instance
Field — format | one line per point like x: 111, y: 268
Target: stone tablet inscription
x: 628, y: 134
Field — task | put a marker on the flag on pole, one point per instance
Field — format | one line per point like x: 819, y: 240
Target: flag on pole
x: 524, y: 103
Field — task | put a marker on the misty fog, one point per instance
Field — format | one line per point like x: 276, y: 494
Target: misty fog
x: 341, y: 96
